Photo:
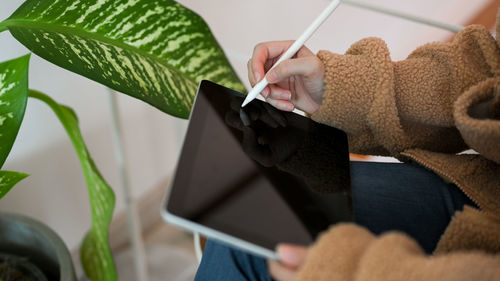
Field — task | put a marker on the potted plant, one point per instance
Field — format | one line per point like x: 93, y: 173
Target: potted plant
x: 32, y: 251
x: 155, y: 51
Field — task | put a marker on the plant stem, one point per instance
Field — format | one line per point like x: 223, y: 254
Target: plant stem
x: 3, y: 28
x: 40, y: 96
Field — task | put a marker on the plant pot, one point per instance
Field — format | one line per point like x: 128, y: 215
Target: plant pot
x: 32, y: 247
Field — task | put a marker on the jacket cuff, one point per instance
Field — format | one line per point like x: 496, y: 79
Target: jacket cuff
x: 335, y: 256
x: 359, y: 95
x: 348, y: 252
x: 480, y: 132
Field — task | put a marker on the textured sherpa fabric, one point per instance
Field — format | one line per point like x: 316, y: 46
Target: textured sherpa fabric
x: 351, y: 253
x: 392, y: 106
x: 421, y: 109
x: 471, y: 230
x: 483, y: 135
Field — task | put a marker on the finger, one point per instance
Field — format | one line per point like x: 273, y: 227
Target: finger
x: 266, y: 92
x: 264, y: 52
x: 269, y: 63
x: 280, y: 272
x: 279, y: 93
x: 282, y: 104
x: 251, y: 75
x: 307, y: 66
x: 292, y: 256
x: 304, y: 52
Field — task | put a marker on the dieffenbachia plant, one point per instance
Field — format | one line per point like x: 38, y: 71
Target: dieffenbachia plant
x: 96, y: 254
x: 156, y: 51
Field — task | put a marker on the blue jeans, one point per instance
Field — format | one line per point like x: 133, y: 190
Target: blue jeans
x: 386, y: 196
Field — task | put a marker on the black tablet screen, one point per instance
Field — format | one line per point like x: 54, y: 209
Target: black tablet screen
x: 259, y: 174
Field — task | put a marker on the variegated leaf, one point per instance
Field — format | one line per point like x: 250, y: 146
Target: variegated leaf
x: 8, y: 180
x: 95, y: 253
x: 13, y: 99
x: 156, y: 51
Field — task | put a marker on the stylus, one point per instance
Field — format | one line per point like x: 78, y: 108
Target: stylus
x: 294, y: 48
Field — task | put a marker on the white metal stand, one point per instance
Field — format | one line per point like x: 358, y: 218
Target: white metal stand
x: 134, y: 224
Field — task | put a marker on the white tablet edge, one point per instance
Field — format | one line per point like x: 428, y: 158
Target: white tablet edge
x: 215, y: 234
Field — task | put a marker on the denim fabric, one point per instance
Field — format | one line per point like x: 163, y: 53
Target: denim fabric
x: 386, y: 196
x: 404, y: 197
x: 223, y: 263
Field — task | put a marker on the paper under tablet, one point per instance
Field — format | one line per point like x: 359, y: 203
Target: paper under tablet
x: 234, y: 183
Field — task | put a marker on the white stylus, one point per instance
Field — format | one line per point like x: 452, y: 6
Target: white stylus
x: 293, y: 49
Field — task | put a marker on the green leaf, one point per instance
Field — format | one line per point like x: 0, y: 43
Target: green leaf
x: 13, y: 99
x: 156, y: 51
x: 95, y: 253
x: 8, y: 180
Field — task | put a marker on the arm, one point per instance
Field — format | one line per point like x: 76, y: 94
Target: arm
x: 387, y: 106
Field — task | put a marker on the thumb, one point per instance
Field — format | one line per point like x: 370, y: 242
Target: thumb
x: 292, y: 256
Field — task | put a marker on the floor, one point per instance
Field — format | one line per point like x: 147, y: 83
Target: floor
x: 170, y: 256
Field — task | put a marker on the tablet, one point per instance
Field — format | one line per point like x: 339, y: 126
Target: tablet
x: 257, y: 176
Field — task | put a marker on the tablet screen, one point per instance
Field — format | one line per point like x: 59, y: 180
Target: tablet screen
x: 260, y: 174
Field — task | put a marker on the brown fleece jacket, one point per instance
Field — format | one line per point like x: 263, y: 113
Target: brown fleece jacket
x: 440, y: 101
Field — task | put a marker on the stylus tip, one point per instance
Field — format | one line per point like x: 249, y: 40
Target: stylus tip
x: 245, y: 102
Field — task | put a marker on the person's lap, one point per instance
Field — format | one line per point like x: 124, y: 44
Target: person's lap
x: 401, y: 197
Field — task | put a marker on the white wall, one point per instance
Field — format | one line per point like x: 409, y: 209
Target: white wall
x: 56, y: 193
x: 239, y: 25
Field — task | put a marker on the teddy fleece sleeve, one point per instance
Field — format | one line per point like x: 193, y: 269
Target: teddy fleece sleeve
x: 350, y: 253
x: 387, y: 107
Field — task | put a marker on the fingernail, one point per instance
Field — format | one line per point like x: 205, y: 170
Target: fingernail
x: 265, y: 93
x: 288, y: 254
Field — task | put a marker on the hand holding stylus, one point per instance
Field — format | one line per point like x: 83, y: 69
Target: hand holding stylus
x: 295, y: 83
x: 293, y: 49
